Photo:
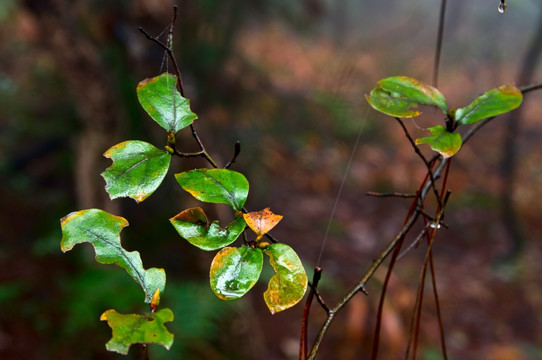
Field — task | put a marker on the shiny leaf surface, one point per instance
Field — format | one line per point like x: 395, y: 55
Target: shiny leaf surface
x: 442, y: 141
x: 400, y: 95
x: 137, y: 171
x: 492, y: 103
x: 192, y: 224
x: 234, y: 271
x: 102, y: 230
x: 129, y: 329
x: 165, y: 105
x: 261, y: 222
x: 219, y: 186
x: 287, y: 287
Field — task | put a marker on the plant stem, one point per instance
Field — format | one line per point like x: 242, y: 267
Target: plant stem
x: 168, y: 48
x: 361, y: 284
x: 439, y: 42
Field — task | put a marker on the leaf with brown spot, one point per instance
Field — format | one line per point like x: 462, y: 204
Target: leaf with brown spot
x: 261, y: 222
x: 287, y: 287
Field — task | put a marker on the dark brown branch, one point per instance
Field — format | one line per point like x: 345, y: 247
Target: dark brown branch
x: 360, y: 287
x: 439, y: 313
x: 303, y: 343
x: 392, y: 194
x: 414, y: 328
x: 427, y: 164
x: 321, y: 300
x: 236, y: 151
x: 439, y: 42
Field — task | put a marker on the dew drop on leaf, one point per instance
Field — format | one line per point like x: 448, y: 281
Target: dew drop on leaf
x: 502, y: 7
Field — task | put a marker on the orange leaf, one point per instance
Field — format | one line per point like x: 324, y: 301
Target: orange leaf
x: 261, y: 222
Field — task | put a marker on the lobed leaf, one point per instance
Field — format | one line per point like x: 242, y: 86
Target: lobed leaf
x: 219, y: 186
x: 129, y: 329
x: 442, y: 141
x: 137, y: 171
x: 399, y: 95
x: 234, y: 271
x: 261, y: 222
x: 165, y: 105
x: 287, y: 287
x: 492, y: 103
x: 102, y: 230
x: 192, y: 224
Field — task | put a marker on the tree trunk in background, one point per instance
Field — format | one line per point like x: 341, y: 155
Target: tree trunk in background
x: 86, y: 78
x: 509, y: 165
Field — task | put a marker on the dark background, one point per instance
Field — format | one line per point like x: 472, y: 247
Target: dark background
x: 288, y: 80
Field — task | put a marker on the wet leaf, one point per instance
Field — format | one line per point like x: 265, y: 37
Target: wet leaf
x: 386, y: 103
x: 102, y: 230
x: 234, y: 271
x: 165, y: 105
x: 192, y: 224
x: 219, y: 186
x: 287, y: 287
x: 261, y: 222
x: 492, y: 103
x: 137, y: 171
x: 442, y: 141
x: 129, y: 329
x: 400, y: 95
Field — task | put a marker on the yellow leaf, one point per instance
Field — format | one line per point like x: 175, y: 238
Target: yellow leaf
x: 261, y: 222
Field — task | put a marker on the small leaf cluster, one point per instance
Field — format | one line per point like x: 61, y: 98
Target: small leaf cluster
x: 137, y: 170
x: 400, y: 96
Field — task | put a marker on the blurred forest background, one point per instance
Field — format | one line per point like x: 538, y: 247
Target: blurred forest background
x: 287, y: 79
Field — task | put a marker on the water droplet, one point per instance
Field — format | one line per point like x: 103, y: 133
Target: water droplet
x: 502, y: 7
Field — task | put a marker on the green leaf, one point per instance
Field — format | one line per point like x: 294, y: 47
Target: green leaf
x: 165, y: 105
x: 137, y: 171
x: 192, y: 224
x: 399, y: 95
x: 131, y: 329
x: 234, y: 271
x: 102, y: 230
x: 288, y: 285
x: 442, y: 141
x: 219, y: 186
x: 492, y: 103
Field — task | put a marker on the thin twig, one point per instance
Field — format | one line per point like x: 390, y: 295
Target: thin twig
x: 439, y: 42
x: 168, y: 48
x: 439, y: 313
x: 414, y: 329
x: 360, y: 286
x: 414, y: 243
x: 428, y: 165
x: 303, y: 343
x: 392, y: 194
x: 321, y: 300
x: 236, y: 151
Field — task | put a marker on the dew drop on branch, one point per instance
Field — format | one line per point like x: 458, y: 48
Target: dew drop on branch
x: 502, y: 7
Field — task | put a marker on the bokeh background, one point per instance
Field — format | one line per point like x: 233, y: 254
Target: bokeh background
x: 288, y: 80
